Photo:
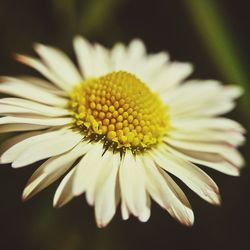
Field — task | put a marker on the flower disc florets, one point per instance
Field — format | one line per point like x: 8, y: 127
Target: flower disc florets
x: 121, y: 110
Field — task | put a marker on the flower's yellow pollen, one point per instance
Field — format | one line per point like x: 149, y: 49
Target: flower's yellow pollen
x: 120, y: 108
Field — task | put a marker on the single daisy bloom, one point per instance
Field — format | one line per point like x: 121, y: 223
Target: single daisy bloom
x: 119, y: 129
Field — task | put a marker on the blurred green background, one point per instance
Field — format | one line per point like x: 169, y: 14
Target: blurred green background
x: 214, y: 35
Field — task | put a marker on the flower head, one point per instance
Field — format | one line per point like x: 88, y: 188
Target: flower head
x: 118, y: 128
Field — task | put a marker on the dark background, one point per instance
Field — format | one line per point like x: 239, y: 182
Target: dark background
x: 163, y: 25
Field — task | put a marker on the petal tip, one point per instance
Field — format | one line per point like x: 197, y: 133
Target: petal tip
x: 20, y: 58
x: 214, y: 198
x: 37, y: 46
x: 57, y: 204
x: 144, y: 217
x: 2, y: 160
x: 189, y: 221
x: 16, y: 164
x: 101, y: 224
x: 25, y: 194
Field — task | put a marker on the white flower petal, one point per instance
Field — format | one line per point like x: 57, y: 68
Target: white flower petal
x: 35, y: 121
x: 25, y: 90
x: 227, y: 152
x: 17, y: 127
x: 47, y: 148
x: 42, y: 83
x: 174, y: 74
x: 16, y: 150
x: 16, y: 139
x: 87, y: 169
x: 59, y: 64
x: 133, y: 58
x: 211, y: 160
x: 105, y: 192
x: 12, y: 110
x: 118, y: 54
x: 67, y: 158
x: 40, y: 67
x: 150, y: 68
x: 233, y: 91
x: 136, y: 49
x: 201, y: 98
x: 64, y: 192
x: 40, y: 182
x: 18, y: 105
x: 84, y: 54
x: 125, y: 211
x: 192, y: 176
x: 101, y: 60
x: 49, y: 172
x: 94, y: 176
x: 145, y: 214
x: 193, y: 90
x: 231, y: 137
x: 167, y: 193
x: 207, y: 123
x: 132, y: 184
x: 21, y: 111
x: 211, y: 108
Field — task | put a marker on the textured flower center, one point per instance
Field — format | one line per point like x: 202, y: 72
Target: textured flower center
x: 120, y: 110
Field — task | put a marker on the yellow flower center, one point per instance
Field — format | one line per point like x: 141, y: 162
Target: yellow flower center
x: 120, y: 110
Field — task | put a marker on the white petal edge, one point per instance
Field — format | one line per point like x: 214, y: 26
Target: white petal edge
x: 217, y: 123
x: 10, y: 110
x: 45, y: 149
x: 101, y: 60
x: 233, y: 138
x: 213, y: 161
x: 24, y: 90
x: 87, y: 169
x: 42, y: 83
x: 33, y: 107
x: 59, y: 64
x: 192, y: 176
x: 227, y: 152
x: 40, y: 67
x: 7, y: 144
x: 35, y: 121
x: 16, y: 150
x: 17, y: 127
x: 64, y: 192
x: 105, y: 192
x: 51, y: 170
x: 95, y: 174
x: 132, y: 185
x: 167, y: 193
x: 84, y: 54
x: 174, y: 74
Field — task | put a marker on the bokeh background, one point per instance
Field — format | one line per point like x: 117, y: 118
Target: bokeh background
x: 212, y: 34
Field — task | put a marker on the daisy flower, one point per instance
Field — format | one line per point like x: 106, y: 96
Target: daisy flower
x: 119, y: 129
